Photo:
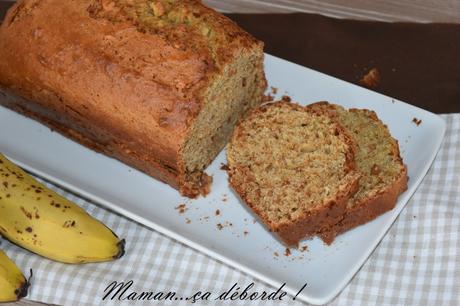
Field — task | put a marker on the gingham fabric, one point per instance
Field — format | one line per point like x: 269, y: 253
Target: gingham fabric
x: 416, y: 263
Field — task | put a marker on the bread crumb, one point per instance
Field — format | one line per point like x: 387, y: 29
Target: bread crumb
x: 181, y: 208
x: 274, y: 90
x: 304, y: 248
x: 371, y: 79
x: 245, y: 233
x: 268, y: 98
x: 286, y: 98
x: 417, y: 121
x: 221, y: 226
x: 287, y: 252
x: 188, y: 221
x: 224, y: 167
x: 217, y: 212
x: 276, y: 254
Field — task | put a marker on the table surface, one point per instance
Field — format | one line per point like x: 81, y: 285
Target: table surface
x: 383, y: 10
x: 387, y: 10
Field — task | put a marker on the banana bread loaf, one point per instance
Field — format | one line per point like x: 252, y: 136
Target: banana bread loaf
x: 157, y: 84
x: 383, y: 174
x: 295, y: 169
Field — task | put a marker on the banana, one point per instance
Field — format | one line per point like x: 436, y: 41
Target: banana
x: 41, y: 221
x: 13, y: 284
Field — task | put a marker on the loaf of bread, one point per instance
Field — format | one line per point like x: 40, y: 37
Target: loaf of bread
x: 157, y: 84
x: 294, y: 167
x: 383, y: 174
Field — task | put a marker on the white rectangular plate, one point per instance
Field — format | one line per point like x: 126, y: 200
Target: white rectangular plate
x: 244, y: 244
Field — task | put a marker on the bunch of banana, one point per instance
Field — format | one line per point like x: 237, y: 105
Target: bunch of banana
x: 40, y: 220
x: 13, y: 284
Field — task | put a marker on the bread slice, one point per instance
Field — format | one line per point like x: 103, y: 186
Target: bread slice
x: 159, y: 85
x: 295, y: 169
x: 383, y: 174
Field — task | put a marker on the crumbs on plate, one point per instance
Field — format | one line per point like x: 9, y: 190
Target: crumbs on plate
x: 417, y: 121
x: 181, y: 208
x: 287, y: 252
x: 221, y: 226
x: 286, y: 98
x: 371, y: 79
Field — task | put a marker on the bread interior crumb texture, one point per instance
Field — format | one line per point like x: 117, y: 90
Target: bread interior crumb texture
x: 289, y: 162
x: 377, y: 157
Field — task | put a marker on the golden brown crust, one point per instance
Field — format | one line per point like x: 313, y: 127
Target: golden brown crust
x: 117, y: 84
x: 368, y: 209
x: 152, y: 167
x: 314, y: 221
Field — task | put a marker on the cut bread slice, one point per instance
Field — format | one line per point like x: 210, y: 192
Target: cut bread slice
x: 383, y: 174
x: 294, y: 168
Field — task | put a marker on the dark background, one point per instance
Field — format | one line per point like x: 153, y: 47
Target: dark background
x: 417, y: 63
